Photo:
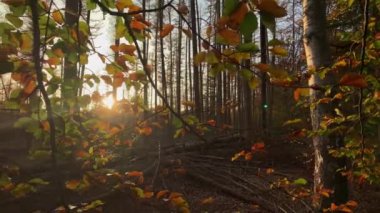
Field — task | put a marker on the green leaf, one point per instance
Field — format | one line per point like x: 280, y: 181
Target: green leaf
x: 25, y: 122
x: 16, y: 21
x: 249, y: 24
x: 246, y: 74
x: 247, y: 47
x: 275, y: 42
x: 90, y: 5
x: 300, y: 181
x: 229, y: 7
x: 268, y: 20
x: 211, y: 58
x: 18, y: 10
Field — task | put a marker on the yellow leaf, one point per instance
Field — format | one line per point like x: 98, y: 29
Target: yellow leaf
x: 271, y: 7
x: 354, y: 80
x: 57, y: 16
x: 277, y: 50
x: 238, y: 155
x: 166, y: 29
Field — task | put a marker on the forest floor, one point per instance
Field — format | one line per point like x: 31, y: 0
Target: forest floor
x: 205, y: 176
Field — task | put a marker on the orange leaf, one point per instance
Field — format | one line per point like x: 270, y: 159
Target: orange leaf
x: 258, y: 147
x: 137, y: 25
x: 29, y: 87
x: 211, y: 122
x: 72, y: 184
x: 118, y: 79
x: 230, y: 36
x: 238, y: 15
x: 145, y: 131
x: 269, y: 171
x: 300, y: 92
x: 352, y: 204
x: 134, y: 174
x: 174, y: 195
x: 208, y: 200
x: 127, y: 49
x: 271, y: 7
x: 148, y: 194
x: 166, y: 29
x: 161, y: 193
x: 57, y: 16
x: 248, y: 156
x: 354, y: 80
x: 376, y: 95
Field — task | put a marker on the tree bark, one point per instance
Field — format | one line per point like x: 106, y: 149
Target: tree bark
x: 318, y: 57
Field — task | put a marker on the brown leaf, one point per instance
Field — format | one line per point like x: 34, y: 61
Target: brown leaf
x: 118, y: 79
x: 160, y: 194
x: 187, y: 32
x: 238, y: 15
x: 354, y: 80
x: 271, y: 7
x: 230, y: 36
x: 183, y: 9
x: 166, y: 29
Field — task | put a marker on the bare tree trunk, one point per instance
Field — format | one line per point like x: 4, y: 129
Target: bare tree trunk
x: 179, y: 58
x: 197, y: 95
x: 326, y: 175
x: 264, y: 60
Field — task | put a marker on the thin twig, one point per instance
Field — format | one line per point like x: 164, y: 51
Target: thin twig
x: 363, y: 50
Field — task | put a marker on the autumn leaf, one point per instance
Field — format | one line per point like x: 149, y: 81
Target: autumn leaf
x: 174, y: 195
x: 271, y: 7
x: 354, y: 80
x: 300, y: 92
x: 352, y: 204
x: 248, y: 156
x: 127, y: 49
x: 238, y: 155
x: 187, y: 32
x: 238, y: 15
x: 121, y: 4
x: 230, y: 36
x: 269, y: 171
x: 258, y: 147
x: 166, y: 29
x: 208, y: 200
x: 148, y: 194
x: 72, y: 184
x: 134, y: 174
x: 118, y: 79
x: 280, y: 51
x: 57, y: 16
x: 211, y: 122
x: 183, y: 9
x: 160, y: 194
x: 137, y: 25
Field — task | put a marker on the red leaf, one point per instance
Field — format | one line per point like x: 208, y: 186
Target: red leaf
x: 258, y: 147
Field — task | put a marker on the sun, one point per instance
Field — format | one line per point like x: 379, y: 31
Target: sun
x: 108, y: 101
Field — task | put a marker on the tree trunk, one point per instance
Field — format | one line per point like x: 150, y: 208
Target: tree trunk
x: 326, y: 175
x: 197, y: 95
x: 264, y: 60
